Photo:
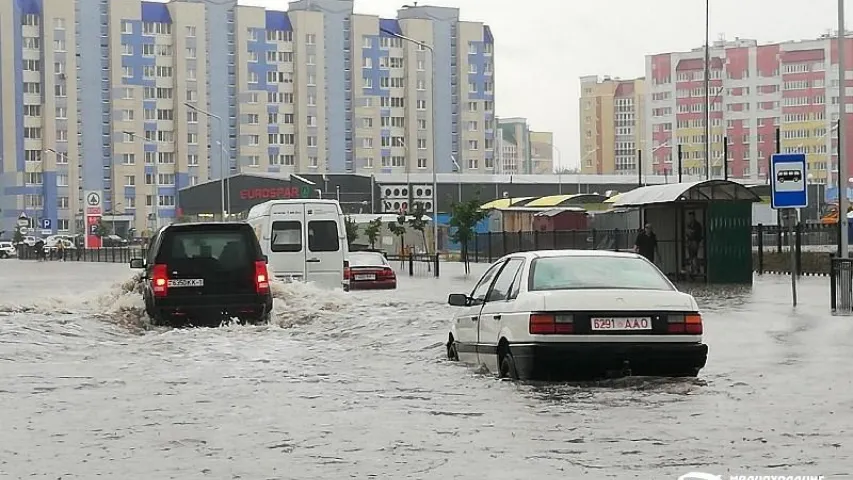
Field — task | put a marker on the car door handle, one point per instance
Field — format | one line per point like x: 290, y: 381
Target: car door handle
x: 496, y: 317
x: 313, y: 260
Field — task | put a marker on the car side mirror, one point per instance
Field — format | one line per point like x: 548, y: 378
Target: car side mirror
x: 137, y: 263
x: 458, y: 300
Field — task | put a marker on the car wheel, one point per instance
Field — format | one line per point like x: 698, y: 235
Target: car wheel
x: 452, y: 353
x: 3, y: 254
x: 507, y: 367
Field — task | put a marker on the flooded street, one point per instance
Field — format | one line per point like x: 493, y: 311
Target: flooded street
x: 355, y: 385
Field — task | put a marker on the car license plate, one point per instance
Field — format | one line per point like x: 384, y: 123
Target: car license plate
x: 621, y: 323
x: 189, y: 282
x: 366, y: 276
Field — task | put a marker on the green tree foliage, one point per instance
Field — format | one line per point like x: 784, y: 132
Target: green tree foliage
x: 101, y: 230
x: 17, y: 237
x: 352, y: 231
x: 417, y: 222
x: 398, y: 229
x: 464, y: 217
x: 374, y: 227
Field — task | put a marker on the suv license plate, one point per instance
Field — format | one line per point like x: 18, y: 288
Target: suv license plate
x: 193, y: 282
x: 621, y: 323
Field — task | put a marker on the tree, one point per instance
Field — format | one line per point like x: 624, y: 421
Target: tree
x: 464, y: 217
x: 372, y: 231
x: 398, y: 228
x: 352, y: 231
x: 18, y: 236
x: 417, y: 221
x: 101, y: 229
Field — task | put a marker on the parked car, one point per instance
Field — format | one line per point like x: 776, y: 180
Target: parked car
x: 577, y: 314
x: 7, y: 250
x: 370, y: 270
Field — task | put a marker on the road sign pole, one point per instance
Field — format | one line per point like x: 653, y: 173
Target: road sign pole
x: 788, y: 193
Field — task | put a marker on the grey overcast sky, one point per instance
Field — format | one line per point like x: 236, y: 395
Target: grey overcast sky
x: 543, y: 46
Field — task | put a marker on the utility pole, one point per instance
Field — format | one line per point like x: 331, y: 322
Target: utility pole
x: 843, y: 201
x: 708, y: 90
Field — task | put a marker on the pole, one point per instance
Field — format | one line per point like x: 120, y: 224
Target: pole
x: 372, y: 193
x: 222, y: 155
x: 778, y: 141
x: 726, y: 158
x: 434, y: 152
x: 843, y: 201
x: 707, y: 90
x: 792, y: 219
x: 679, y: 163
x: 639, y: 168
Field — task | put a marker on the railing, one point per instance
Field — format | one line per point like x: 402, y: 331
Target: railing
x: 771, y: 245
x: 101, y: 255
x: 420, y: 265
x: 841, y: 286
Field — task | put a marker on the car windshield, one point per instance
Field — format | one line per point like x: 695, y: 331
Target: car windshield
x: 372, y: 259
x: 595, y: 272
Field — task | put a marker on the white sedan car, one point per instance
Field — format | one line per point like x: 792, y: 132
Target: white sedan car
x: 575, y: 314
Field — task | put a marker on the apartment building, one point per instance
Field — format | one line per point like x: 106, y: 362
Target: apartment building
x: 753, y: 90
x: 135, y: 100
x: 521, y: 150
x: 612, y: 125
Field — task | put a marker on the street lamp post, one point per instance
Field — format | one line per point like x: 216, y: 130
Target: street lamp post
x: 707, y: 90
x: 226, y: 170
x: 156, y: 180
x: 458, y: 171
x: 434, y: 141
x: 580, y: 168
x: 843, y: 201
x: 559, y: 167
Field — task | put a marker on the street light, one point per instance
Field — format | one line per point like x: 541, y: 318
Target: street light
x: 580, y: 168
x: 559, y: 167
x: 156, y: 200
x: 434, y: 141
x: 459, y: 171
x: 226, y: 170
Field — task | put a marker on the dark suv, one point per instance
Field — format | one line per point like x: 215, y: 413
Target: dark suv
x: 202, y: 273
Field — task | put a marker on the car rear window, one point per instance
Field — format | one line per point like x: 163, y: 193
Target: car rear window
x: 366, y: 259
x: 286, y: 236
x: 323, y: 236
x: 231, y: 248
x: 595, y: 272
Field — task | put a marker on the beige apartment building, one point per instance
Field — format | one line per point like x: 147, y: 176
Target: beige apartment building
x: 612, y: 127
x: 521, y: 150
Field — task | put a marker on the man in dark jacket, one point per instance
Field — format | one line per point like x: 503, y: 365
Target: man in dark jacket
x: 646, y: 243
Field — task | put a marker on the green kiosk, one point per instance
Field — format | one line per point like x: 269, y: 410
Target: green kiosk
x: 704, y: 229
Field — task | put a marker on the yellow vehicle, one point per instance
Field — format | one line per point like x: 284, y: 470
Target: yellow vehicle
x: 830, y: 214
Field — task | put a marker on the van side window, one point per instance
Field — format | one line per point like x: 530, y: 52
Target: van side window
x: 323, y: 236
x: 286, y: 236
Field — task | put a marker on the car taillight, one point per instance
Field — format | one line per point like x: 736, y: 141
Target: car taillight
x: 387, y: 273
x: 262, y: 279
x: 686, y: 324
x: 160, y: 280
x: 347, y: 272
x: 549, y: 324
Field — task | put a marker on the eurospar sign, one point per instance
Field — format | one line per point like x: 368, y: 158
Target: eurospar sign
x: 275, y: 193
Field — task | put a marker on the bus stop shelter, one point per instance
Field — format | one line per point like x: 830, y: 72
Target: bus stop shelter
x: 724, y: 212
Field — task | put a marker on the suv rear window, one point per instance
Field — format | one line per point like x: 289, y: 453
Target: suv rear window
x: 230, y: 247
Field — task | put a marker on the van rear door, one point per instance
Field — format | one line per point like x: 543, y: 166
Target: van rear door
x: 287, y: 241
x: 326, y: 245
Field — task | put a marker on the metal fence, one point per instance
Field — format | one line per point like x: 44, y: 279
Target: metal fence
x: 841, y: 286
x: 415, y: 265
x: 102, y: 255
x: 812, y: 244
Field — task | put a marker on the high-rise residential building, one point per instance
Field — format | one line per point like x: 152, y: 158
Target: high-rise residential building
x: 135, y: 100
x: 612, y: 125
x: 521, y: 150
x: 753, y: 90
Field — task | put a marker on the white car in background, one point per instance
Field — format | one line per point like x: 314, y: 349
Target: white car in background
x: 577, y: 314
x: 7, y: 250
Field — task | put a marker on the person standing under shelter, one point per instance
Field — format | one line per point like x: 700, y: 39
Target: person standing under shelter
x: 694, y: 239
x: 646, y: 243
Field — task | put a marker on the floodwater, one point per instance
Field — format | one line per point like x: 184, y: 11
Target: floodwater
x: 356, y: 386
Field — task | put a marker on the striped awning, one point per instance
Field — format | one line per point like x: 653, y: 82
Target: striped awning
x: 503, y: 202
x: 550, y: 201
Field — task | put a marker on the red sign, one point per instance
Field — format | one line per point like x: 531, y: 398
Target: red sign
x: 275, y: 193
x: 92, y: 239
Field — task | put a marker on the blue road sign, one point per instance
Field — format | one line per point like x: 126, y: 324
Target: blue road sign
x: 789, y: 188
x: 45, y: 223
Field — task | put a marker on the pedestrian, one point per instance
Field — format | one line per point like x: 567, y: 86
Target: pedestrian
x: 38, y: 250
x: 694, y: 239
x: 60, y: 250
x: 646, y: 243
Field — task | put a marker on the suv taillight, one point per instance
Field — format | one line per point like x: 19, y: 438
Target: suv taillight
x: 687, y: 324
x: 160, y: 280
x: 549, y: 324
x: 262, y: 279
x: 347, y: 272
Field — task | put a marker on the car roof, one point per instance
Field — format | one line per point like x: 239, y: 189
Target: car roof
x: 572, y: 253
x: 201, y: 225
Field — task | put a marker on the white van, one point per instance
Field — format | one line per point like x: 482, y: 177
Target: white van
x: 304, y: 239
